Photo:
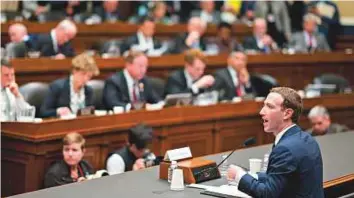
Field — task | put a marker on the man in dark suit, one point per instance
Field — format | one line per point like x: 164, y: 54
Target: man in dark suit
x: 295, y: 166
x: 321, y: 122
x: 260, y: 41
x: 235, y: 80
x: 144, y: 39
x: 130, y: 85
x: 57, y: 43
x: 191, y: 79
x: 193, y: 39
x: 309, y: 40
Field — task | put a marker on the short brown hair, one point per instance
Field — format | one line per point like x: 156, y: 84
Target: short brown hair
x: 5, y: 63
x: 85, y: 62
x: 192, y: 54
x: 292, y: 100
x: 74, y: 137
x: 132, y: 54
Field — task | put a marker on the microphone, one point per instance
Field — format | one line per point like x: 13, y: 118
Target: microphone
x: 248, y: 142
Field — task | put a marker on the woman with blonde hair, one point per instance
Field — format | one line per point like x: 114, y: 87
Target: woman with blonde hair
x: 71, y: 168
x: 67, y: 95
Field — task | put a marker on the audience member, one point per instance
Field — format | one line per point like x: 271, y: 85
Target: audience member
x: 223, y: 42
x: 130, y: 85
x: 309, y: 40
x: 296, y: 10
x: 11, y: 98
x: 246, y: 13
x: 193, y: 39
x: 277, y: 17
x: 329, y: 15
x: 130, y: 157
x: 57, y: 43
x: 67, y: 95
x: 207, y: 12
x: 105, y: 11
x: 72, y: 168
x: 321, y: 122
x: 260, y: 41
x: 158, y: 13
x: 235, y: 80
x: 144, y: 39
x: 191, y: 79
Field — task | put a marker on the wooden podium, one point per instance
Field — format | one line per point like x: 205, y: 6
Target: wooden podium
x: 195, y: 170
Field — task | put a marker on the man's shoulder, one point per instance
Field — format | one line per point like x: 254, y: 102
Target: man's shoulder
x: 337, y: 128
x: 59, y: 83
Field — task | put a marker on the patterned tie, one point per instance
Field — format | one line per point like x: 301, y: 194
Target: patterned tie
x: 135, y: 97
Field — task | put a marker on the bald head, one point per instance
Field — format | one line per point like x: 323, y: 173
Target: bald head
x: 259, y: 27
x: 17, y: 32
x: 195, y: 24
x: 65, y: 31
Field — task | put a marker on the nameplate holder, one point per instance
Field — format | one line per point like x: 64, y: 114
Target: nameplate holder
x: 178, y: 154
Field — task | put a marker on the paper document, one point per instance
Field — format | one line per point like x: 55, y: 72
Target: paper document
x: 225, y: 191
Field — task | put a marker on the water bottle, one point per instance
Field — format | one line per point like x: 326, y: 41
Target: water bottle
x: 170, y: 170
x: 265, y: 163
x: 224, y: 166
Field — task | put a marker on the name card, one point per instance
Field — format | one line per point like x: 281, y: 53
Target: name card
x: 178, y: 154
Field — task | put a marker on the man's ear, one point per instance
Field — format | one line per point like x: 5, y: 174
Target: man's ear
x: 288, y: 113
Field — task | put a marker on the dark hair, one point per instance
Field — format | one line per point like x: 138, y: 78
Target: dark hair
x: 140, y: 135
x: 224, y: 25
x: 192, y: 54
x: 5, y: 63
x: 132, y: 54
x: 292, y: 100
x: 146, y: 18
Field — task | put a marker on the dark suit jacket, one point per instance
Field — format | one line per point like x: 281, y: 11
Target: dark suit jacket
x: 177, y: 83
x: 45, y: 46
x: 180, y: 45
x: 116, y: 93
x: 133, y: 40
x: 59, y: 96
x: 294, y: 170
x: 250, y: 43
x: 226, y: 87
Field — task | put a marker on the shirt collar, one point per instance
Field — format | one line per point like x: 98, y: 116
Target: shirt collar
x: 54, y: 39
x: 279, y: 135
x: 188, y: 78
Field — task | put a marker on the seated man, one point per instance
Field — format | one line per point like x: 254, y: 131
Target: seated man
x: 260, y: 41
x: 11, y: 98
x: 193, y: 39
x: 321, y: 122
x: 57, y: 43
x: 72, y: 168
x: 130, y: 85
x: 144, y: 39
x: 309, y: 40
x: 20, y: 43
x: 207, y: 12
x: 234, y: 80
x: 191, y: 79
x: 130, y: 157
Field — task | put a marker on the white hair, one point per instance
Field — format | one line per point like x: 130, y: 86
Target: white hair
x: 68, y: 25
x: 318, y: 110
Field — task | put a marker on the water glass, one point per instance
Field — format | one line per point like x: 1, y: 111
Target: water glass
x: 26, y: 114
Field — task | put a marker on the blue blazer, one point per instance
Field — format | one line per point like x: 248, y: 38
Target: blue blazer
x: 294, y: 169
x: 59, y: 96
x: 45, y: 46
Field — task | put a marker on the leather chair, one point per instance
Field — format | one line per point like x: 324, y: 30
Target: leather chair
x: 34, y: 93
x: 341, y: 84
x: 97, y: 86
x: 263, y: 83
x: 158, y: 85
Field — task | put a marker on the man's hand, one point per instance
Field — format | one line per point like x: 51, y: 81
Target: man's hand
x: 59, y: 56
x: 205, y: 81
x: 192, y: 37
x: 13, y: 87
x: 244, y: 76
x: 80, y: 179
x: 63, y: 111
x: 235, y: 172
x: 267, y: 40
x: 139, y: 164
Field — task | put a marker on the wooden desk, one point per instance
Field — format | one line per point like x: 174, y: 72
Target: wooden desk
x: 28, y: 148
x: 290, y: 70
x: 88, y: 35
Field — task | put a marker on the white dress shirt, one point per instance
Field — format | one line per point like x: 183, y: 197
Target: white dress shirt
x: 130, y: 83
x: 77, y: 100
x: 115, y: 164
x: 313, y: 40
x: 10, y: 104
x: 145, y: 43
x: 55, y: 42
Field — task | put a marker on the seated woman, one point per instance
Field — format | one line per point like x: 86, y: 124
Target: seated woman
x: 72, y: 168
x: 67, y: 95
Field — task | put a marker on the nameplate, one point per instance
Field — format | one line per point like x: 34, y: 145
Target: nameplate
x: 178, y: 154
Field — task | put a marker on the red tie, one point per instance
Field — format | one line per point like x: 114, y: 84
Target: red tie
x: 310, y: 40
x: 238, y: 87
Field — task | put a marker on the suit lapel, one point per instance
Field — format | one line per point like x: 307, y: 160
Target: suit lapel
x: 124, y: 86
x: 65, y: 94
x: 230, y: 82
